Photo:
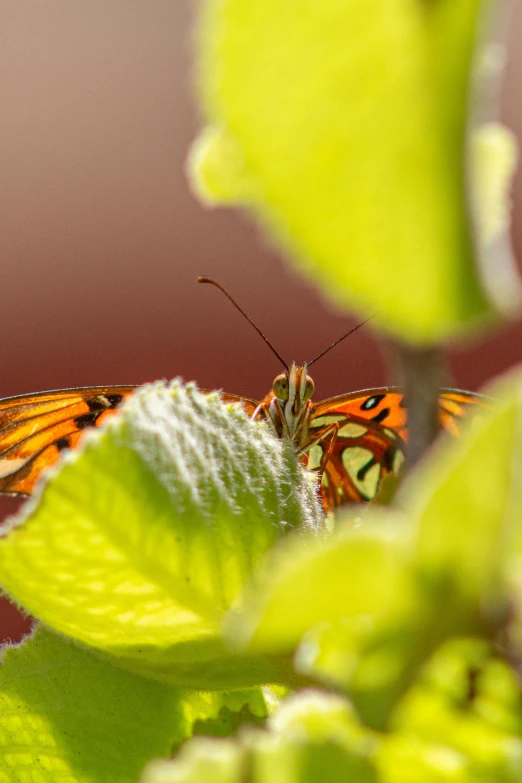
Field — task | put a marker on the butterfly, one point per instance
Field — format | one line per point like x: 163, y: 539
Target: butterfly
x: 352, y: 441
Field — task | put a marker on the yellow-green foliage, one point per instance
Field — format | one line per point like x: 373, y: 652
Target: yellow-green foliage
x: 342, y: 125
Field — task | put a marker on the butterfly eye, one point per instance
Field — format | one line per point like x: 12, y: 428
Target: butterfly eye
x: 309, y: 388
x: 280, y: 387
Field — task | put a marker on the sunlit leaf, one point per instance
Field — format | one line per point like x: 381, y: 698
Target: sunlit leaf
x: 342, y: 126
x: 68, y: 714
x: 142, y: 541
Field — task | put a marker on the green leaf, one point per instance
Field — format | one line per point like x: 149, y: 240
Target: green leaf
x: 357, y: 604
x: 469, y: 702
x: 68, y: 714
x: 314, y: 736
x: 317, y: 736
x: 237, y: 709
x: 209, y: 760
x: 142, y: 540
x: 405, y: 759
x: 342, y: 126
x: 358, y: 572
x: 465, y: 501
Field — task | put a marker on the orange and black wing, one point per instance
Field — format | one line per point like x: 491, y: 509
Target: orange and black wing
x: 35, y: 428
x: 372, y: 433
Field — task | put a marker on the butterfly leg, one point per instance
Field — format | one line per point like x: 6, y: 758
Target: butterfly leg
x: 330, y: 435
x: 265, y: 409
x: 262, y: 408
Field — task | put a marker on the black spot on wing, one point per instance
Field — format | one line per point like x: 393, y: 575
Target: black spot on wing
x: 361, y: 473
x: 86, y: 420
x: 113, y: 399
x: 389, y: 458
x: 103, y: 402
x: 372, y: 402
x: 96, y: 404
x: 379, y: 417
x: 62, y: 443
x: 387, y: 462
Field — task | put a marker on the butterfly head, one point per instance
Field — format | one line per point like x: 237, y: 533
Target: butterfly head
x: 292, y: 392
x: 293, y: 386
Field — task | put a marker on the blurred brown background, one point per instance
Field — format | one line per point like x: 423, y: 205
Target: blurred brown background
x: 101, y: 239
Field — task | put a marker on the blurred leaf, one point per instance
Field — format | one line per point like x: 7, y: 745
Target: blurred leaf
x: 465, y: 499
x: 494, y: 151
x: 317, y: 737
x: 456, y: 705
x: 201, y: 759
x: 342, y: 126
x: 463, y: 504
x: 357, y: 604
x: 358, y: 572
x: 144, y: 538
x: 492, y: 159
x: 237, y: 709
x: 314, y: 736
x: 405, y: 759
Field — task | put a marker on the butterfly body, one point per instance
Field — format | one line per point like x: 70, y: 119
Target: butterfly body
x: 353, y: 441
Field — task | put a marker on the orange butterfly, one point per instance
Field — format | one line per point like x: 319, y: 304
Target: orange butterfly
x: 353, y: 440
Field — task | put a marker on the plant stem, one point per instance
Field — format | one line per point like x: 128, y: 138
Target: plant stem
x: 422, y: 372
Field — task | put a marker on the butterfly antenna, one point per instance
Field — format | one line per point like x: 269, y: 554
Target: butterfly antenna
x: 354, y: 329
x: 204, y: 279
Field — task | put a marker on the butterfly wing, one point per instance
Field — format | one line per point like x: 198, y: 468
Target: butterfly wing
x: 456, y: 405
x: 35, y: 428
x: 371, y: 438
